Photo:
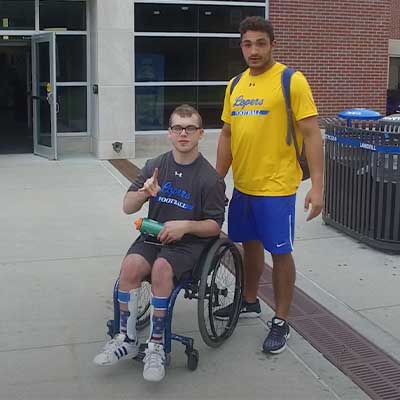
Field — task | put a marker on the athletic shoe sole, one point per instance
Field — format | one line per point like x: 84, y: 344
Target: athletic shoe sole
x: 153, y: 378
x: 248, y: 315
x: 115, y: 361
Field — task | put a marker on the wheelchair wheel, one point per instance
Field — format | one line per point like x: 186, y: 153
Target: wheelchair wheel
x: 143, y: 318
x: 192, y: 359
x: 221, y: 285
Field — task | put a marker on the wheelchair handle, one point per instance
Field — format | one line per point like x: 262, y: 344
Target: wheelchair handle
x: 149, y: 226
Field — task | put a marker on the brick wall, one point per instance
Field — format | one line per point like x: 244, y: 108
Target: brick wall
x: 341, y: 46
x: 395, y: 19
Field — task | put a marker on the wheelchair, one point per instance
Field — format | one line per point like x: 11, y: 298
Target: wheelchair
x: 216, y: 282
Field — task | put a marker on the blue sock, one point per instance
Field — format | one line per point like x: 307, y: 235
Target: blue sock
x: 157, y: 333
x: 123, y: 319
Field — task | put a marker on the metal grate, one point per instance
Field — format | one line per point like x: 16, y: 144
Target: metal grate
x: 370, y: 368
x: 126, y: 168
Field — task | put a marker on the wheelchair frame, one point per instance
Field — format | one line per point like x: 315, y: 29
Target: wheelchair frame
x: 196, y: 287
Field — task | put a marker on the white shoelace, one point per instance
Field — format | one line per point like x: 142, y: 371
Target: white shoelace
x: 154, y: 359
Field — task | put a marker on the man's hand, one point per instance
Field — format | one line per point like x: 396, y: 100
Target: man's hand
x: 151, y: 186
x: 315, y: 198
x: 173, y: 231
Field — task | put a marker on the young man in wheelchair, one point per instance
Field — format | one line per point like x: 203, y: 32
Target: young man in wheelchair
x: 187, y: 195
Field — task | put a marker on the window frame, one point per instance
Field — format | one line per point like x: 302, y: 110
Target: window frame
x: 88, y: 61
x: 263, y: 4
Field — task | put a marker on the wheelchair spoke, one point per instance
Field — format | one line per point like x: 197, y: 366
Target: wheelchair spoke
x: 222, y: 284
x: 144, y: 298
x: 143, y: 318
x: 221, y: 289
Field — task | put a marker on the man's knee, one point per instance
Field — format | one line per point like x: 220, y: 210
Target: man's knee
x: 161, y: 273
x: 134, y: 269
x: 253, y: 245
x: 284, y: 260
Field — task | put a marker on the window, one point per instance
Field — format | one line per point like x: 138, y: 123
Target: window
x: 165, y: 59
x: 219, y: 59
x: 154, y: 104
x: 187, y: 59
x: 72, y: 115
x: 62, y: 14
x: 394, y: 73
x: 165, y: 17
x: 71, y: 58
x: 17, y: 14
x: 194, y: 49
x: 393, y: 93
x: 191, y: 18
x: 209, y: 103
x: 225, y: 18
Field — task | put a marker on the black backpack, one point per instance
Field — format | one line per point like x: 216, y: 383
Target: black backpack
x: 291, y: 135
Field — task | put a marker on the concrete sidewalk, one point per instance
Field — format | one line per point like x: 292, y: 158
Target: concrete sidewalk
x: 62, y: 240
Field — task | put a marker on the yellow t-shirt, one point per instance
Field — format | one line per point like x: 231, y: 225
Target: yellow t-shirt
x: 263, y: 163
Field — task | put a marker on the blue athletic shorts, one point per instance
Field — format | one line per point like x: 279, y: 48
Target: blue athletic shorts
x: 269, y: 219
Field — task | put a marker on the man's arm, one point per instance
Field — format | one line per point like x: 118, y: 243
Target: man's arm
x: 175, y: 230
x: 314, y: 152
x: 134, y: 200
x: 224, y: 153
x: 205, y: 228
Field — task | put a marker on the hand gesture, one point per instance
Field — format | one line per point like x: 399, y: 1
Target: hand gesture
x: 315, y: 198
x: 172, y: 231
x: 151, y: 186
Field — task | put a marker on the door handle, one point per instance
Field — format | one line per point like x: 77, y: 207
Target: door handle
x: 57, y: 108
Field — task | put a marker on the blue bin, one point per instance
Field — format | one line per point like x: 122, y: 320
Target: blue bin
x: 359, y: 113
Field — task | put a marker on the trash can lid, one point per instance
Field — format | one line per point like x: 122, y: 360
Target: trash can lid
x: 392, y: 118
x: 359, y: 113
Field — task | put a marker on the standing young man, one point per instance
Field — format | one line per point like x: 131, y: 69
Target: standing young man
x: 187, y: 195
x: 266, y: 172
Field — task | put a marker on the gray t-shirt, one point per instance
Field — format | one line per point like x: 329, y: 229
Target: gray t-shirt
x: 188, y: 192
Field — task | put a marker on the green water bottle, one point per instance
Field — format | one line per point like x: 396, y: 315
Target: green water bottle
x: 149, y: 226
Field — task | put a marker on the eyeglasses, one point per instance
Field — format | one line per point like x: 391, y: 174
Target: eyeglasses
x: 190, y: 129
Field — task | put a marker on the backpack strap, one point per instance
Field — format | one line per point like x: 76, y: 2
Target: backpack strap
x: 235, y: 81
x: 291, y: 135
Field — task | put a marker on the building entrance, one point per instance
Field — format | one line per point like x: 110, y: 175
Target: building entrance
x: 44, y: 90
x: 16, y: 133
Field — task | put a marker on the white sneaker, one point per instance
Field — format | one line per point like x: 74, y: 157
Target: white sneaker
x: 115, y: 350
x: 154, y: 361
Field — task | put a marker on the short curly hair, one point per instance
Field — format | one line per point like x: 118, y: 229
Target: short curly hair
x: 257, y: 24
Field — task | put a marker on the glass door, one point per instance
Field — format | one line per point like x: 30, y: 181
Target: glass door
x: 44, y: 95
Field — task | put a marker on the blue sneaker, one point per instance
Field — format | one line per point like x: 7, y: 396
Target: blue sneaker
x: 277, y: 337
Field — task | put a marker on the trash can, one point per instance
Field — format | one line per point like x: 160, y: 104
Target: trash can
x: 362, y: 179
x: 359, y: 114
